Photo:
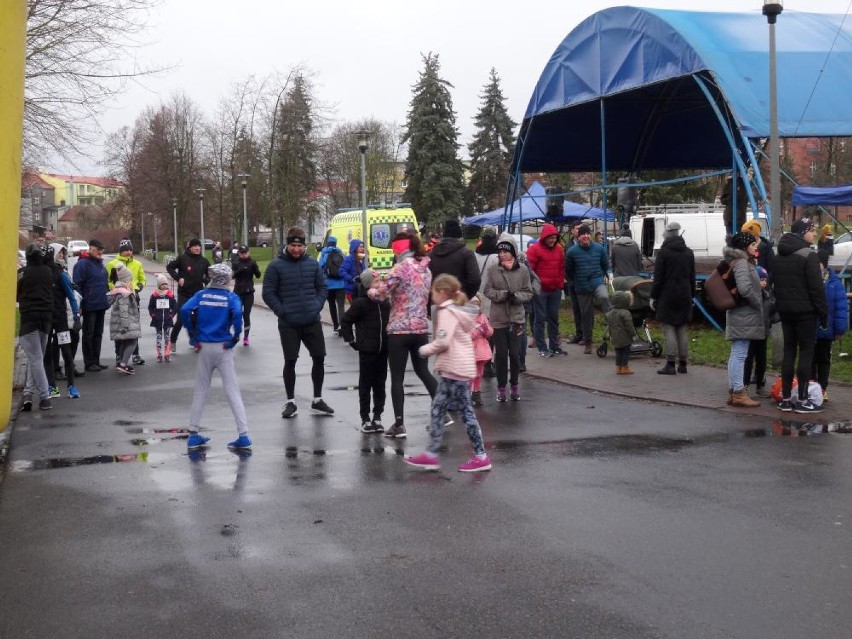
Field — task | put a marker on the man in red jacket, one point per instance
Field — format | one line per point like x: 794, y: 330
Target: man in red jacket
x: 547, y: 260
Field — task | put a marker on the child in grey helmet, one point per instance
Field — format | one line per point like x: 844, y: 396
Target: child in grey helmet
x: 214, y: 318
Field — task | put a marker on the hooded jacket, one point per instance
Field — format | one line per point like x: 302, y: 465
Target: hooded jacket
x: 626, y: 257
x: 90, y: 278
x: 450, y: 255
x: 674, y: 282
x: 745, y: 320
x: 295, y: 290
x: 193, y: 269
x: 135, y: 267
x: 333, y: 283
x: 162, y: 318
x: 508, y: 289
x: 245, y: 270
x: 453, y: 343
x: 838, y: 308
x: 548, y: 262
x: 620, y: 321
x: 370, y: 319
x: 124, y: 317
x: 480, y: 333
x: 352, y: 268
x: 799, y: 289
x: 213, y: 315
x: 35, y: 295
x: 407, y: 287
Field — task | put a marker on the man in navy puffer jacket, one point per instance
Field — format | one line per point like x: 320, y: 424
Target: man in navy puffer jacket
x: 295, y: 289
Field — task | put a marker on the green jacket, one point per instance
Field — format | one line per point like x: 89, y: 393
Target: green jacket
x: 135, y: 267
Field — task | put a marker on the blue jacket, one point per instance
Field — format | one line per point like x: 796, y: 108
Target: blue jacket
x: 295, y: 290
x: 585, y: 268
x: 334, y: 283
x: 838, y: 308
x: 351, y: 268
x: 90, y: 278
x: 210, y: 314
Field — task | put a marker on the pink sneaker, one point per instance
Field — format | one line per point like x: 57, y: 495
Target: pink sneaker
x: 475, y: 465
x: 424, y: 461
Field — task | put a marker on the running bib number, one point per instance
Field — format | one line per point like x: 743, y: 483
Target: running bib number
x: 163, y: 303
x: 64, y: 337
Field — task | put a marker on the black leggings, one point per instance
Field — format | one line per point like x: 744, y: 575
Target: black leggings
x: 822, y: 362
x: 317, y: 376
x: 248, y: 301
x: 799, y: 335
x: 399, y: 348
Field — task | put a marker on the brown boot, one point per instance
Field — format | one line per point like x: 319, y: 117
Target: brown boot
x: 625, y: 370
x: 730, y: 397
x: 588, y: 349
x: 740, y: 399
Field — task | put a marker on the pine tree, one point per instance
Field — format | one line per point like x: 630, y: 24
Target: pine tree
x: 433, y: 171
x: 491, y: 149
x: 295, y: 152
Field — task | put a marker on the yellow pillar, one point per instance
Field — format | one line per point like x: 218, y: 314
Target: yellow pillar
x: 13, y: 24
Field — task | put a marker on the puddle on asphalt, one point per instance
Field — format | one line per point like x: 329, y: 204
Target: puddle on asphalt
x: 71, y: 462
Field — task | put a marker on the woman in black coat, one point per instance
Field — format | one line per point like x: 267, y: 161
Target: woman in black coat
x: 671, y: 296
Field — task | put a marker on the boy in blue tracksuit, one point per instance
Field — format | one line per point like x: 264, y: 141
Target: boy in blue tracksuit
x: 835, y: 326
x: 214, y: 317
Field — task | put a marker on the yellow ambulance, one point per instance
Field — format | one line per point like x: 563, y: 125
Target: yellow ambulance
x: 382, y: 225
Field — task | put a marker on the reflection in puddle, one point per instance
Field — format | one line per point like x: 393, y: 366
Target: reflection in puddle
x: 69, y: 462
x: 785, y: 428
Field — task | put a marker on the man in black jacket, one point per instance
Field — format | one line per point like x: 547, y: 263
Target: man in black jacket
x: 190, y: 272
x: 800, y: 301
x: 450, y: 255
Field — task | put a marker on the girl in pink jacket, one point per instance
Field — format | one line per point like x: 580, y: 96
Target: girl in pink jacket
x: 456, y: 366
x: 482, y: 330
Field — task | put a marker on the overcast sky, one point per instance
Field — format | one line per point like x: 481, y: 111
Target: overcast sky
x: 366, y: 54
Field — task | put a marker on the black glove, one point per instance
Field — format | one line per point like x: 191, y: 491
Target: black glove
x: 823, y: 323
x: 77, y: 325
x: 352, y: 345
x: 511, y: 299
x: 234, y: 341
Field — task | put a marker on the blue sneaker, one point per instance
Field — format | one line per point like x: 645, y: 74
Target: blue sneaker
x: 73, y: 393
x: 196, y: 441
x: 243, y: 442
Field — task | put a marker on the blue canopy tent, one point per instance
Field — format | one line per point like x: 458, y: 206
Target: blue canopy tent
x: 822, y: 196
x: 631, y: 89
x: 533, y: 205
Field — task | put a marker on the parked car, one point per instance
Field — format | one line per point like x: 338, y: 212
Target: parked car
x: 209, y: 244
x: 75, y: 247
x: 842, y: 249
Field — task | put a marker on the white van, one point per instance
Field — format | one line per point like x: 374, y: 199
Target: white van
x: 701, y: 226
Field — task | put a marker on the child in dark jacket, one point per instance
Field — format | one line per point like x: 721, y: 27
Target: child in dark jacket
x: 162, y: 307
x: 370, y: 320
x: 621, y: 330
x: 835, y: 326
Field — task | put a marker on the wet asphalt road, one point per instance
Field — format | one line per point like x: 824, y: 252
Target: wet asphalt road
x: 602, y: 517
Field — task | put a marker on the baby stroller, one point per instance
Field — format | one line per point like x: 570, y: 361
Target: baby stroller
x: 639, y: 309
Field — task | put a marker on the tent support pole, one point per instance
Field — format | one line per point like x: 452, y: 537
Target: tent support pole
x: 603, y: 164
x: 730, y: 137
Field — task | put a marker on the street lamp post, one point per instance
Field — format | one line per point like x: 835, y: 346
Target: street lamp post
x: 156, y: 247
x: 142, y: 252
x: 245, y: 177
x: 174, y: 221
x: 772, y: 9
x: 363, y: 145
x: 201, y: 208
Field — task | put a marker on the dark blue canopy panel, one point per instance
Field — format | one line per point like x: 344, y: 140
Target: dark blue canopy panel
x: 643, y: 62
x: 826, y: 195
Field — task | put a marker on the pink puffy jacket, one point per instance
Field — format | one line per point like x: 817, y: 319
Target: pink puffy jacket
x: 480, y: 334
x: 453, y: 343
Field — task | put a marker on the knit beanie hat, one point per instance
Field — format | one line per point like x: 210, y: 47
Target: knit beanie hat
x: 193, y: 242
x: 826, y: 230
x: 507, y: 246
x: 761, y: 272
x: 367, y: 276
x: 220, y: 276
x: 753, y: 227
x: 125, y: 245
x: 742, y: 240
x: 452, y: 228
x: 802, y: 226
x: 162, y: 279
x: 123, y: 275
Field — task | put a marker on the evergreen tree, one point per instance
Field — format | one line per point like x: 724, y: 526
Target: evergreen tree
x: 491, y: 150
x: 433, y: 171
x: 294, y: 164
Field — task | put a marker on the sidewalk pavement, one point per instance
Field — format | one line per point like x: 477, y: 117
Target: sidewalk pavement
x: 702, y: 386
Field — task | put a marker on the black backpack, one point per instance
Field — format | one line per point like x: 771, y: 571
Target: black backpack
x: 333, y: 263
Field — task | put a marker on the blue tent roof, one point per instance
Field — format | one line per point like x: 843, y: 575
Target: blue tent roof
x: 532, y: 206
x: 826, y: 195
x: 642, y: 63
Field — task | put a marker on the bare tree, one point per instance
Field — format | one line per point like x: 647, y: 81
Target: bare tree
x: 75, y: 63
